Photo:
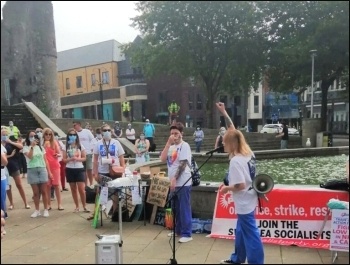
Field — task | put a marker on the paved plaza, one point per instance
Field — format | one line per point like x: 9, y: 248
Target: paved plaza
x: 66, y: 237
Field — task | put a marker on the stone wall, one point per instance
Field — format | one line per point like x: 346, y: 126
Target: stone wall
x: 29, y: 56
x: 310, y: 128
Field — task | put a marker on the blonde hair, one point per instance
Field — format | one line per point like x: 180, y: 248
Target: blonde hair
x: 242, y: 147
x: 52, y: 138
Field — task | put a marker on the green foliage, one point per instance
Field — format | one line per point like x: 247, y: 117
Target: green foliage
x: 213, y: 41
x: 295, y: 28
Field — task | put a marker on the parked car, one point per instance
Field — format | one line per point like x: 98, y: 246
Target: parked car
x: 271, y: 128
x: 293, y: 131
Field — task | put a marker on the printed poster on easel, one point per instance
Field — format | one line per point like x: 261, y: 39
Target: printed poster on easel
x: 340, y: 230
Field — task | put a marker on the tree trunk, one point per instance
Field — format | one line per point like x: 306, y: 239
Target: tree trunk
x: 324, y: 88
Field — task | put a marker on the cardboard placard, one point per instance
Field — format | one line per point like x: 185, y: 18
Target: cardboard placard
x: 145, y: 169
x: 158, y: 191
x: 155, y: 171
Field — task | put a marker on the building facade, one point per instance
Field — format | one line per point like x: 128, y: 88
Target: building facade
x: 89, y: 83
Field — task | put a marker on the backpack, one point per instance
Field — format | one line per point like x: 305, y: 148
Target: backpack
x: 195, y: 173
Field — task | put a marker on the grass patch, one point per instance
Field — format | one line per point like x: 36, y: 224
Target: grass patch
x: 307, y: 171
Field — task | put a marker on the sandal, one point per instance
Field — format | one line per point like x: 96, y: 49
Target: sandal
x: 27, y: 207
x: 60, y: 209
x: 76, y: 210
x: 86, y: 210
x: 91, y: 217
x: 49, y: 209
x: 11, y: 207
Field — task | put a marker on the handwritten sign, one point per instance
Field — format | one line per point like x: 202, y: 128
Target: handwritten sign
x: 340, y: 230
x: 158, y: 191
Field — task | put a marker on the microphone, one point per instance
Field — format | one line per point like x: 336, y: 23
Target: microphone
x: 214, y: 150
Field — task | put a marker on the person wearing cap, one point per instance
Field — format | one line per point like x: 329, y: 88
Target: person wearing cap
x: 149, y: 131
x: 117, y: 132
x: 130, y: 134
x: 177, y: 154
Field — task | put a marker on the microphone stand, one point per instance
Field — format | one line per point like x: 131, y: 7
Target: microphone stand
x: 173, y: 208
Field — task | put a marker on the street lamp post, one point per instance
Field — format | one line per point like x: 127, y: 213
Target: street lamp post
x: 101, y: 92
x: 300, y: 122
x: 313, y: 54
x: 96, y: 112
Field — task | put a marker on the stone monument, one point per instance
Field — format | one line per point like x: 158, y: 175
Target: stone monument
x: 29, y: 56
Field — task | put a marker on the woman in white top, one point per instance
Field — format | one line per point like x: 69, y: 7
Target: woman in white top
x: 3, y: 178
x: 74, y: 156
x: 242, y: 171
x: 107, y: 152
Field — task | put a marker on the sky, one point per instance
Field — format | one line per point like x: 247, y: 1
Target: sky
x: 82, y: 23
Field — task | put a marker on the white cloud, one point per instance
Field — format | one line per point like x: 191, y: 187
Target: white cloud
x: 82, y: 23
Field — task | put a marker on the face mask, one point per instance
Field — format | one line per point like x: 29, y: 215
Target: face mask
x: 99, y: 136
x: 40, y: 134
x: 198, y: 129
x: 129, y: 127
x: 4, y: 138
x: 10, y: 124
x: 107, y: 135
x: 31, y: 139
x: 72, y: 137
x: 142, y: 137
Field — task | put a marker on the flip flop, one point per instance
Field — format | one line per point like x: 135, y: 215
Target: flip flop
x: 49, y: 208
x: 76, y: 210
x: 11, y: 207
x: 60, y: 209
x: 91, y: 217
x: 27, y: 207
x: 86, y: 210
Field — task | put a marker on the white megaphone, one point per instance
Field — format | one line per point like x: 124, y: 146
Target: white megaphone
x: 262, y: 184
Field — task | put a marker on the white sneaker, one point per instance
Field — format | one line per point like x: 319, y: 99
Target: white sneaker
x: 46, y: 213
x: 35, y: 214
x: 171, y: 234
x: 185, y: 239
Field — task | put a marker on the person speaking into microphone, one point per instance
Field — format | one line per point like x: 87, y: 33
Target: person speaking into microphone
x: 241, y: 173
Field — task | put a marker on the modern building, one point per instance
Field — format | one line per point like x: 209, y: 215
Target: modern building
x: 338, y: 106
x: 94, y: 80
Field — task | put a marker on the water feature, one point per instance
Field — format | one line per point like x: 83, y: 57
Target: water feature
x: 308, y: 170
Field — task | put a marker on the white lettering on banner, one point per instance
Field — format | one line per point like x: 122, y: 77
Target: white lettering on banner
x: 290, y: 220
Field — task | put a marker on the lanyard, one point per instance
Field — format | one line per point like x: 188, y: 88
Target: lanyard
x: 107, y: 146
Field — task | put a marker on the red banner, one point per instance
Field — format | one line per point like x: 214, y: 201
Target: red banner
x: 293, y: 215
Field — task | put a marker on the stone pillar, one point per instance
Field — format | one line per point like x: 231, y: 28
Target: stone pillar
x: 310, y: 128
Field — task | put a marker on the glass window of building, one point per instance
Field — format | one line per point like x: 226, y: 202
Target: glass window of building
x: 79, y: 81
x: 105, y: 77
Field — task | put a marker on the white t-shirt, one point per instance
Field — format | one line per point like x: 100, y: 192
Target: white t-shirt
x: 115, y: 151
x: 242, y: 170
x: 3, y: 170
x: 77, y: 153
x: 177, y: 153
x: 130, y: 134
x: 85, y: 137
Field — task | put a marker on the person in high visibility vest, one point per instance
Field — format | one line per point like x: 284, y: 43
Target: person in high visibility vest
x: 126, y: 108
x: 173, y: 111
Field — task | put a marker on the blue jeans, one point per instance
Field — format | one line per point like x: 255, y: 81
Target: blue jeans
x: 198, y: 146
x: 3, y: 195
x: 183, y: 212
x: 248, y: 243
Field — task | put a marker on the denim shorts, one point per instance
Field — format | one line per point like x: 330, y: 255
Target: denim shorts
x: 37, y: 175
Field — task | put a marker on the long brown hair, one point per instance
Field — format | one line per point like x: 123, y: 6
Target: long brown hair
x: 52, y: 138
x: 242, y: 146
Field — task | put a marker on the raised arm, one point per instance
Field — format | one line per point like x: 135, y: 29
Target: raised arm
x: 229, y: 123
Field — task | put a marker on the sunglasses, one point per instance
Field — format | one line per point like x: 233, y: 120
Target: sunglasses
x: 71, y: 134
x: 48, y: 134
x: 106, y: 130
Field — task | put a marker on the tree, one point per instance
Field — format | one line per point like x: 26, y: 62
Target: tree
x: 295, y: 28
x: 213, y: 41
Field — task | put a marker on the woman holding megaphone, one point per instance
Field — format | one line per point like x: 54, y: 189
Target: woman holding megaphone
x: 241, y: 173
